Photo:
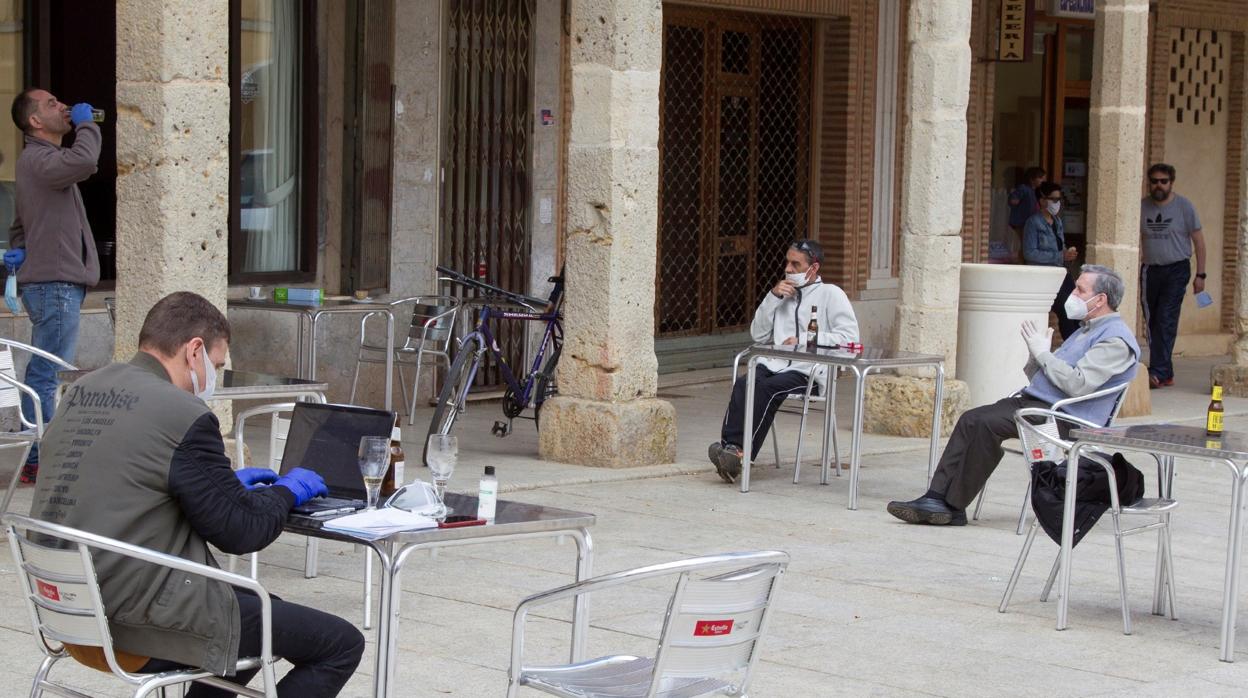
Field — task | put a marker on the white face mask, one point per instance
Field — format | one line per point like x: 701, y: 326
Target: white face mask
x: 210, y: 379
x: 798, y: 279
x: 1076, y: 307
x: 1053, y: 207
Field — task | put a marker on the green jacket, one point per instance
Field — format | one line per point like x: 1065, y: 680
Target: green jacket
x: 131, y: 456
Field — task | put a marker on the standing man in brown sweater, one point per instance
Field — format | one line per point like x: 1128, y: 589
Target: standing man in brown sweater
x: 50, y: 242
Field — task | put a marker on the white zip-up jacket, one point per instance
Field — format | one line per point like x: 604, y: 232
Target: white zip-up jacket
x: 778, y: 318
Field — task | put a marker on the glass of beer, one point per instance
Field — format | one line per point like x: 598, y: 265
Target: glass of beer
x: 374, y: 458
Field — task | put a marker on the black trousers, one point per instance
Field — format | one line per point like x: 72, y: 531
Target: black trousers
x: 769, y: 391
x: 1164, y: 288
x: 974, y: 449
x: 324, y: 648
x: 1064, y: 324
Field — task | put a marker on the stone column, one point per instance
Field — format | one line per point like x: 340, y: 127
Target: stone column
x: 1234, y: 376
x: 1115, y: 166
x: 938, y: 83
x: 606, y: 413
x: 173, y: 120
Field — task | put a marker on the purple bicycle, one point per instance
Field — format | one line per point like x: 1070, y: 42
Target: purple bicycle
x: 538, y: 383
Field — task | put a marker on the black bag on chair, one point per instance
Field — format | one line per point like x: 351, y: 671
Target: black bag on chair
x: 1048, y: 490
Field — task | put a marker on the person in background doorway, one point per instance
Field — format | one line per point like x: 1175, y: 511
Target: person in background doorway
x: 1023, y: 200
x: 1169, y: 230
x: 1044, y: 244
x: 50, y: 241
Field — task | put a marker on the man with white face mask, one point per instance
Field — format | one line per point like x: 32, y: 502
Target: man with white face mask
x: 1101, y: 354
x: 781, y: 319
x: 135, y: 454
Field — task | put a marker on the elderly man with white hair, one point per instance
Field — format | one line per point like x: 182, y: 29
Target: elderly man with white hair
x: 1101, y: 354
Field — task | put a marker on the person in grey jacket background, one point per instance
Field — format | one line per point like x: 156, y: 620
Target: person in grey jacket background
x: 50, y: 241
x: 782, y: 318
x: 135, y: 454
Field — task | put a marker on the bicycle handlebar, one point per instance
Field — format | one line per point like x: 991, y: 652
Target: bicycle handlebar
x: 465, y: 280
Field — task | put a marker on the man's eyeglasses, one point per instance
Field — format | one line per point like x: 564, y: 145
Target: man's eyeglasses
x: 1159, y: 180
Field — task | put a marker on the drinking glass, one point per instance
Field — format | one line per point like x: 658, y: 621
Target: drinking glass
x: 374, y: 458
x: 442, y: 454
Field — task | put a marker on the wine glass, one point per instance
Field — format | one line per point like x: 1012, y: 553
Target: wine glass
x: 442, y: 454
x: 374, y: 458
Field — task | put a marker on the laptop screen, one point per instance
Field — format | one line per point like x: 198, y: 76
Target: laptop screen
x: 326, y: 438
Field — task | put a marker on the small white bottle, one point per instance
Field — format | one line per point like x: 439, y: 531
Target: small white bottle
x: 487, y: 495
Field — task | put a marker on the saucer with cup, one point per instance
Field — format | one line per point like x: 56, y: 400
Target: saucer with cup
x: 255, y: 293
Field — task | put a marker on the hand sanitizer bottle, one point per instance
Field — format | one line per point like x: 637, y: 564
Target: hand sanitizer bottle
x: 487, y: 495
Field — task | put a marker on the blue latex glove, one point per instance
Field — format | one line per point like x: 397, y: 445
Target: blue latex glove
x: 14, y: 258
x: 80, y: 113
x: 10, y: 290
x: 304, y: 484
x: 252, y: 478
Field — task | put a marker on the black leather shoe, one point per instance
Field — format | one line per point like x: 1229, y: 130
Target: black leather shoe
x: 713, y: 451
x: 927, y: 510
x: 729, y: 464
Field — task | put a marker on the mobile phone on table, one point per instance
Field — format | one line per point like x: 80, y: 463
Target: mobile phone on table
x: 460, y: 521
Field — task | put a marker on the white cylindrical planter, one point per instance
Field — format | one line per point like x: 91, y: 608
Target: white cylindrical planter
x: 994, y: 301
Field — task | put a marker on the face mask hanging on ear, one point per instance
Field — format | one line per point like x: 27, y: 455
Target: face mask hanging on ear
x: 210, y: 379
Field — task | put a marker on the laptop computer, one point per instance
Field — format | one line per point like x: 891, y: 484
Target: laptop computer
x: 326, y: 438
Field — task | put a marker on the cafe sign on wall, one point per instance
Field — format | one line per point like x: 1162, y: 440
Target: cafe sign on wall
x: 1075, y: 9
x: 1014, y: 31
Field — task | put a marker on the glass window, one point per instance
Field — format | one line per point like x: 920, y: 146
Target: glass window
x: 1078, y: 55
x: 11, y: 79
x: 267, y: 170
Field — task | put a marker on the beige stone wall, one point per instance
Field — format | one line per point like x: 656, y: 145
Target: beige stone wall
x: 606, y: 413
x: 172, y: 155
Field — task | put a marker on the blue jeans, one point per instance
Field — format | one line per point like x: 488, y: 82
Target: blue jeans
x: 1164, y: 288
x: 53, y: 307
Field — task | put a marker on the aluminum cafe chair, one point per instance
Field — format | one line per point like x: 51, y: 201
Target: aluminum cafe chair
x: 826, y: 389
x: 1040, y: 442
x: 1050, y: 427
x: 59, y: 586
x: 712, y: 629
x: 11, y: 390
x: 429, y: 338
x: 279, y: 425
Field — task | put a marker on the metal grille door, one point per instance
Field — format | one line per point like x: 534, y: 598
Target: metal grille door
x: 734, y: 162
x: 485, y: 187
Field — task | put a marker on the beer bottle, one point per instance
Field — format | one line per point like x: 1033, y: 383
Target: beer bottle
x: 394, y: 474
x: 1213, y: 418
x: 812, y: 330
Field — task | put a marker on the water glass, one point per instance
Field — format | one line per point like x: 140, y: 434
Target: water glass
x: 374, y: 458
x: 442, y: 454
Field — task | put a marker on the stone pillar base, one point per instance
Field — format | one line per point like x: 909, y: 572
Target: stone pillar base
x: 607, y: 434
x: 902, y: 405
x: 1233, y: 378
x: 1138, y: 401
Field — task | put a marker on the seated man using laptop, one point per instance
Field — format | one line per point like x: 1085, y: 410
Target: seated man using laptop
x: 135, y: 454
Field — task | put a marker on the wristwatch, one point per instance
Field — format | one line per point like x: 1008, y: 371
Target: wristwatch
x: 1202, y: 275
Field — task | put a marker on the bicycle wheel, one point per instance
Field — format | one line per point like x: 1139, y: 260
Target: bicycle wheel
x: 454, y: 393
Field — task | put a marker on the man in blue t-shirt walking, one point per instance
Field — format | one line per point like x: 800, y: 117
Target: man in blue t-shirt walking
x: 1169, y: 230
